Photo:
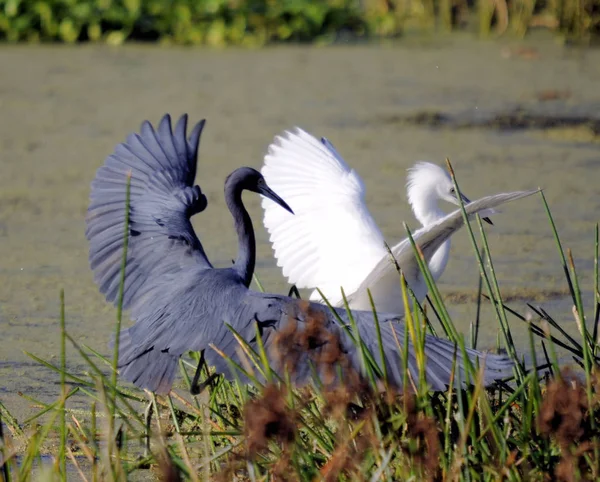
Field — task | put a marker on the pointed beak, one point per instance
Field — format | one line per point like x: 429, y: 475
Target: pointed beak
x: 268, y: 192
x: 467, y: 201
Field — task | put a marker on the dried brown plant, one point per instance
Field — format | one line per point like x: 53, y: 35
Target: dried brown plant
x: 564, y: 416
x: 425, y: 432
x: 563, y: 410
x: 351, y: 404
x: 268, y: 418
x: 312, y: 341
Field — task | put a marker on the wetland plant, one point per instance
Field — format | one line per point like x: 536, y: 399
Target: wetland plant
x: 544, y: 423
x: 259, y: 22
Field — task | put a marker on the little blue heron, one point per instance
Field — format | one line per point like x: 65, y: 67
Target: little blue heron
x: 333, y: 241
x: 180, y: 302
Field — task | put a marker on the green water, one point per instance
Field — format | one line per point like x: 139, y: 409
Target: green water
x: 64, y: 108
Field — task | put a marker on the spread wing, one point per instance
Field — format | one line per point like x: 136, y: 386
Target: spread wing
x: 162, y: 166
x: 332, y: 240
x: 304, y: 335
x: 428, y: 239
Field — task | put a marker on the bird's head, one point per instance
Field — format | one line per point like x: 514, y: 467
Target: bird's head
x: 252, y: 180
x: 426, y: 184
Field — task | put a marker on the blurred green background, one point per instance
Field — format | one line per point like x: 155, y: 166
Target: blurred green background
x: 260, y: 22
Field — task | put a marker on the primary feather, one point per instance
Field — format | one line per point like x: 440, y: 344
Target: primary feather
x: 162, y: 199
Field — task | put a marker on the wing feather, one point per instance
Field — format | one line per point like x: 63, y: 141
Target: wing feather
x: 332, y: 238
x: 428, y: 239
x: 162, y: 166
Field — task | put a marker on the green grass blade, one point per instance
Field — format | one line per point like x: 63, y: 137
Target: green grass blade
x: 596, y: 340
x: 438, y: 303
x: 493, y: 293
x: 561, y: 252
x: 53, y: 406
x: 62, y: 456
x: 379, y: 339
x: 258, y: 283
x: 121, y: 288
x: 4, y: 452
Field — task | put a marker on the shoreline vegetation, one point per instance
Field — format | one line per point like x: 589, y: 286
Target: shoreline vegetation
x: 540, y: 423
x: 254, y: 23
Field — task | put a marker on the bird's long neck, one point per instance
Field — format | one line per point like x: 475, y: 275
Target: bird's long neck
x: 246, y: 257
x: 439, y: 260
x: 428, y: 213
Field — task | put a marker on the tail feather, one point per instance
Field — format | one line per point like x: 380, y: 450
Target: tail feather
x: 146, y: 367
x: 441, y: 356
x: 440, y: 359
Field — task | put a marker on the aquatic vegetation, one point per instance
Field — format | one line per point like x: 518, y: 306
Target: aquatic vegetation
x: 258, y: 22
x: 541, y: 423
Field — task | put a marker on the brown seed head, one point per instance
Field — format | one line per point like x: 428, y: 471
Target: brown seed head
x: 563, y: 409
x: 268, y: 418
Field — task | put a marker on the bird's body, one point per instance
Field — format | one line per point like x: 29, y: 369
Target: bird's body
x: 333, y: 242
x: 180, y: 302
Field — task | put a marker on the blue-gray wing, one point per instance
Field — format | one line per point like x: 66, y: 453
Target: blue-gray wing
x: 161, y: 164
x: 305, y: 337
x: 441, y: 355
x: 309, y: 338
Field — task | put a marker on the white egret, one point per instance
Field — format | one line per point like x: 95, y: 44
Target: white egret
x: 333, y: 241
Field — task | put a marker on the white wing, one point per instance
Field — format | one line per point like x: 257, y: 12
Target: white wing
x: 332, y: 240
x: 384, y: 280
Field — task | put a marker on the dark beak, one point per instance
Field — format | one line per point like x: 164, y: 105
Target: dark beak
x: 467, y: 201
x: 268, y: 192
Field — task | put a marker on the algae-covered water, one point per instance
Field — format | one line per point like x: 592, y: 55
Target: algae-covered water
x: 508, y: 116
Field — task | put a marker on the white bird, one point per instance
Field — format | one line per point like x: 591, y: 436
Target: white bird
x: 333, y: 241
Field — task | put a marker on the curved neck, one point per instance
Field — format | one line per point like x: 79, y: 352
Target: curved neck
x: 439, y: 260
x: 427, y: 214
x: 246, y: 257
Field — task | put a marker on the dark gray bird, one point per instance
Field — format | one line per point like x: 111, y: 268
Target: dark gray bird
x: 180, y: 302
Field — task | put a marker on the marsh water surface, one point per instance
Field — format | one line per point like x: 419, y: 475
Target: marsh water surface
x: 63, y: 109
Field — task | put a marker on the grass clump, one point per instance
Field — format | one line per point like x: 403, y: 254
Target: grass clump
x: 542, y: 423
